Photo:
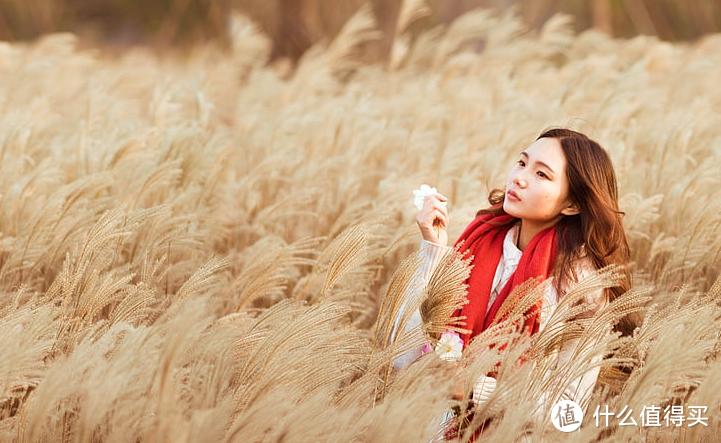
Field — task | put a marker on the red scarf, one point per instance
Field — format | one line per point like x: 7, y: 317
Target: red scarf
x: 483, y: 238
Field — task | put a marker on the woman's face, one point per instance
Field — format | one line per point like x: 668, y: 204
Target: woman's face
x: 537, y: 187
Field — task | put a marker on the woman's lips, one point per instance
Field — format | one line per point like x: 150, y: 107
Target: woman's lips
x: 513, y: 196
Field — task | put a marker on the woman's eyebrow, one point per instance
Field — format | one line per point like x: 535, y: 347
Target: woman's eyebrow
x: 540, y: 163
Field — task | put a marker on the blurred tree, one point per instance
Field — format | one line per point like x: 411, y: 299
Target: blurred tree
x: 601, y: 16
x: 295, y: 25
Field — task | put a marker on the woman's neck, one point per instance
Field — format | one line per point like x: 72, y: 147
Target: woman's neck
x: 529, y: 229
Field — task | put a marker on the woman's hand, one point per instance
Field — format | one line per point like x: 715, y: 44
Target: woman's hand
x: 433, y: 219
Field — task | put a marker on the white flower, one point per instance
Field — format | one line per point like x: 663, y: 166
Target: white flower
x: 421, y: 195
x: 449, y: 347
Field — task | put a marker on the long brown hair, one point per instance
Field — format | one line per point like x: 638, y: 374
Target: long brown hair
x: 597, y: 230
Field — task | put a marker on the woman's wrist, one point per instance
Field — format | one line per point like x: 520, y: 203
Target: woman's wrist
x: 437, y: 238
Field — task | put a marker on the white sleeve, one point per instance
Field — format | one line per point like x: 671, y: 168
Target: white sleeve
x: 581, y: 388
x: 430, y: 254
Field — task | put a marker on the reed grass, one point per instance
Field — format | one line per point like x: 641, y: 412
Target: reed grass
x: 206, y: 247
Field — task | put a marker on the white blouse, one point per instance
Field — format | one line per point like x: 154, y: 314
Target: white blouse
x: 579, y: 390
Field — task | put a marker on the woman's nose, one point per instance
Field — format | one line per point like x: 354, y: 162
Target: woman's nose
x: 519, y: 181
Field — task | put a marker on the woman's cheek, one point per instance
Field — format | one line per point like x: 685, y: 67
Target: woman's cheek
x: 548, y: 204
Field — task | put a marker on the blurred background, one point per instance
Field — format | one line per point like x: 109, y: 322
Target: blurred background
x: 295, y: 25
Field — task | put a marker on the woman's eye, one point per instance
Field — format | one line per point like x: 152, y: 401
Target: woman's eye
x: 521, y: 163
x: 542, y: 174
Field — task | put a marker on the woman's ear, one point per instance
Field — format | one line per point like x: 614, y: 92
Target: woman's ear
x: 570, y: 209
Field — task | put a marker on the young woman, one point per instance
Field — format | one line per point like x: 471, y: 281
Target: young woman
x: 558, y: 216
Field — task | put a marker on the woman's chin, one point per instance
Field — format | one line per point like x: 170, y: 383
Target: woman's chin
x: 510, y: 209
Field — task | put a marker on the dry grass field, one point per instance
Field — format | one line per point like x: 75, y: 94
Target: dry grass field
x: 203, y: 247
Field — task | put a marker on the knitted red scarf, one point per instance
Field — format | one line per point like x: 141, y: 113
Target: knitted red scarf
x: 483, y: 238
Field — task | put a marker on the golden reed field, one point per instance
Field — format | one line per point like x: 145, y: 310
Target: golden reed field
x: 205, y: 247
